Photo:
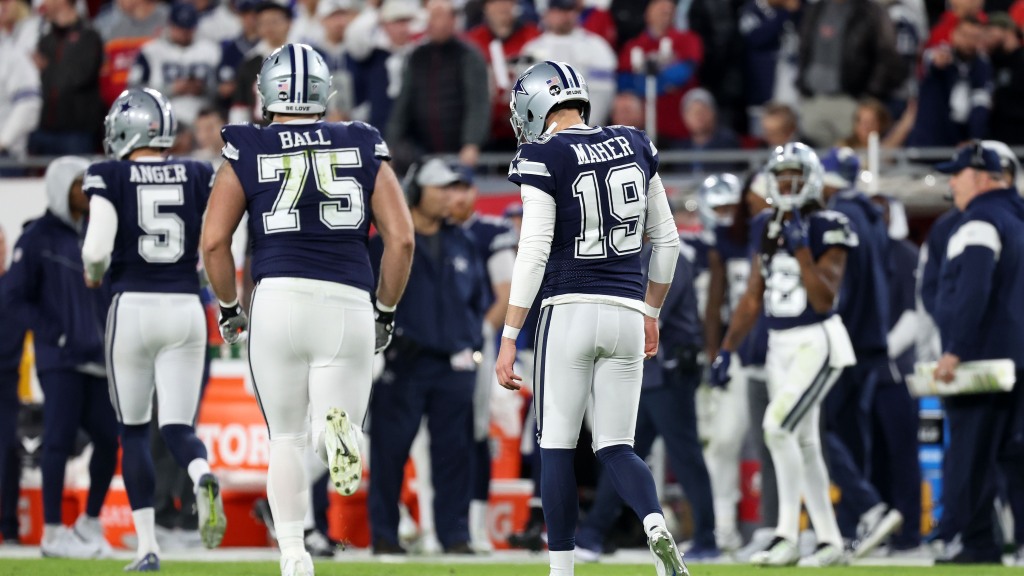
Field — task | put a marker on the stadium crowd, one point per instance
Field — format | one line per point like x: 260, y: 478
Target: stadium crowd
x: 724, y: 74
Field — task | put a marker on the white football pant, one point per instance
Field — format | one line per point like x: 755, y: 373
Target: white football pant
x: 155, y: 340
x: 726, y: 431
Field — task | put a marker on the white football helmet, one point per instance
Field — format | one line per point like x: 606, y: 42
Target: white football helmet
x: 794, y: 156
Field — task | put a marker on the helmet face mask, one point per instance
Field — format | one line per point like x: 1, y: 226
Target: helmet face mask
x: 794, y: 177
x: 294, y: 79
x: 138, y: 118
x: 539, y: 89
x: 717, y: 193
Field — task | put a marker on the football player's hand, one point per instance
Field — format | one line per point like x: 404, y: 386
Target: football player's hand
x: 945, y: 369
x: 233, y: 323
x: 90, y: 283
x: 793, y: 231
x: 503, y: 367
x: 384, y: 326
x: 651, y: 336
x: 719, y: 376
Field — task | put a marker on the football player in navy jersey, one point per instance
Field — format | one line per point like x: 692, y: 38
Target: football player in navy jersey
x: 590, y: 194
x: 311, y: 190
x: 796, y: 275
x: 496, y: 244
x: 146, y: 211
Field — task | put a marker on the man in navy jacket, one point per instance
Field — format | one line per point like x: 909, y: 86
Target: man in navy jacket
x: 46, y: 291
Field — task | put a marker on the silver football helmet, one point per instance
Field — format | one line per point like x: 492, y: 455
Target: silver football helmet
x: 716, y: 191
x: 138, y: 118
x: 794, y: 156
x: 294, y: 79
x: 538, y: 90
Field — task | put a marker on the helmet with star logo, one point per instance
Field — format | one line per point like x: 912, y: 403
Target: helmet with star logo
x: 538, y: 90
x: 138, y: 118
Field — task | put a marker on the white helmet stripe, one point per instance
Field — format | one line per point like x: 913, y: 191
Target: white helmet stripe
x: 300, y: 73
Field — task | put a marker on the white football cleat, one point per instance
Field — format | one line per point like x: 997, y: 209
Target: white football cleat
x: 91, y: 531
x: 825, y: 555
x: 297, y: 565
x: 874, y: 527
x: 479, y: 540
x: 63, y: 542
x: 667, y: 559
x: 779, y: 552
x: 210, y: 508
x: 343, y: 460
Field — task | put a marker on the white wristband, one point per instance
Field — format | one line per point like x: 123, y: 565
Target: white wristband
x: 231, y: 304
x: 510, y: 332
x: 384, y: 308
x: 651, y: 310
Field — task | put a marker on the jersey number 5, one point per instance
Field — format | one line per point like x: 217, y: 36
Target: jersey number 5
x: 164, y: 238
x: 342, y: 210
x: 626, y: 194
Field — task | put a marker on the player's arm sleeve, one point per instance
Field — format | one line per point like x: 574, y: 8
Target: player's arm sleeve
x: 973, y: 251
x: 526, y: 172
x: 661, y: 228
x: 99, y: 239
x: 534, y: 246
x: 26, y: 102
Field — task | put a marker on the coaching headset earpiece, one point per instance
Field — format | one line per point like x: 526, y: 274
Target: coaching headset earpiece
x: 413, y: 192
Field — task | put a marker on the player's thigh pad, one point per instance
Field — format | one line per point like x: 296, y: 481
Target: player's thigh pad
x: 563, y: 371
x: 179, y: 362
x: 130, y: 359
x: 799, y: 375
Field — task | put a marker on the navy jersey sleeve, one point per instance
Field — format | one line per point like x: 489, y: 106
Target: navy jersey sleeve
x: 648, y: 150
x: 829, y: 230
x: 373, y: 136
x: 529, y: 167
x: 236, y: 137
x: 99, y: 181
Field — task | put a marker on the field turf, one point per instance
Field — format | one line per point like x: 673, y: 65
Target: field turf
x: 178, y: 568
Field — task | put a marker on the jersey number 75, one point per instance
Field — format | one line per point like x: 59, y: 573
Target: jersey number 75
x: 342, y: 210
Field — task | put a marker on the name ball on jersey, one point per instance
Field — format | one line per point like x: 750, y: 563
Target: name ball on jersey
x: 297, y: 139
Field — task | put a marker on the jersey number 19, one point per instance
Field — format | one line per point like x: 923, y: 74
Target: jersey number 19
x: 626, y: 194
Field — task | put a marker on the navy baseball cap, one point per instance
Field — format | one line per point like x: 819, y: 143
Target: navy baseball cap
x: 974, y: 155
x: 184, y: 15
x: 465, y: 173
x: 841, y: 167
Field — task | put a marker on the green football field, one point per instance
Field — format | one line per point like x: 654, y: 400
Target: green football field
x: 111, y: 567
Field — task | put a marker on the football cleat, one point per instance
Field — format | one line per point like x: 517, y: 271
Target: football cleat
x: 148, y: 563
x: 667, y: 559
x: 297, y: 565
x: 779, y: 552
x: 63, y: 542
x: 343, y: 460
x: 91, y: 531
x: 875, y: 526
x: 825, y: 555
x: 212, y: 520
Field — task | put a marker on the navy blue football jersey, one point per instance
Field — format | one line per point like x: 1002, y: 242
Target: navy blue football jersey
x: 491, y: 235
x: 736, y: 259
x: 160, y: 209
x: 695, y: 246
x: 598, y: 178
x: 785, y: 298
x: 307, y: 191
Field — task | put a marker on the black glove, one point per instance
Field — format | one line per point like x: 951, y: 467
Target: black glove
x: 384, y: 326
x: 233, y: 323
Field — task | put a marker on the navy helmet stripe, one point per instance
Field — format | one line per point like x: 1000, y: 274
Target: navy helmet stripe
x: 575, y: 80
x: 291, y: 85
x: 561, y: 74
x: 305, y: 75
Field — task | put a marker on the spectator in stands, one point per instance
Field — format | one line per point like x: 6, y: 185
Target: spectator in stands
x: 44, y: 288
x: 379, y: 41
x: 847, y: 51
x: 442, y: 107
x: 627, y: 110
x: 179, y: 66
x: 911, y: 26
x: 307, y: 26
x: 594, y: 18
x: 942, y: 32
x: 69, y: 59
x: 503, y: 33
x: 336, y: 15
x: 763, y: 26
x: 273, y: 20
x: 956, y: 90
x: 716, y: 23
x: 11, y: 344
x: 217, y: 21
x: 19, y: 28
x: 873, y: 116
x: 1007, y: 119
x: 20, y: 101
x: 628, y: 16
x: 133, y: 19
x: 778, y: 125
x: 563, y: 39
x: 700, y: 113
x: 232, y: 52
x: 673, y: 55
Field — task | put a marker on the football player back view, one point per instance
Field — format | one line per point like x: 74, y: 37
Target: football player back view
x: 590, y: 195
x: 146, y: 212
x: 311, y: 189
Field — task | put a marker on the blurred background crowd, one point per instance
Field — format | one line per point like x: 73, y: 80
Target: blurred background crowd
x: 725, y: 74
